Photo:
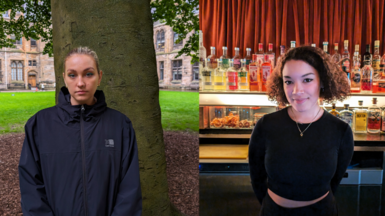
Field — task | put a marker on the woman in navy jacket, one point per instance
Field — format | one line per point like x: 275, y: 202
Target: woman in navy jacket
x: 80, y: 157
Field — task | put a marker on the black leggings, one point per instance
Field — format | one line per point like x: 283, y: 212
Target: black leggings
x: 325, y: 207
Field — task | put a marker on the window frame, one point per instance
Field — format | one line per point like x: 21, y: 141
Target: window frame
x: 17, y: 70
x: 160, y: 40
x: 195, y: 71
x: 161, y: 70
x: 35, y: 41
x: 177, y: 72
x: 177, y: 44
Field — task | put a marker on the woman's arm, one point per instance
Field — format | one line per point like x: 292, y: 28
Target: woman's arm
x: 345, y: 154
x: 257, y: 150
x: 129, y: 198
x: 33, y: 195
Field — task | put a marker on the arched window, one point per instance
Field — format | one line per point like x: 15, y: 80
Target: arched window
x: 17, y: 70
x: 176, y: 36
x: 160, y: 39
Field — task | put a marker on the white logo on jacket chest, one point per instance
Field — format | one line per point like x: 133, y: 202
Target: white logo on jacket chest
x: 109, y: 143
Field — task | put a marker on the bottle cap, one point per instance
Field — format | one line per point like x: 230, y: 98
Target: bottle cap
x: 346, y: 43
x: 224, y: 48
x: 236, y: 48
x: 377, y: 43
x: 346, y: 106
x: 374, y: 100
x: 336, y: 46
x: 368, y: 47
x: 248, y: 49
x: 360, y: 102
x: 333, y: 105
x: 313, y: 45
x: 260, y: 46
x: 325, y: 43
x: 212, y: 48
x: 270, y: 46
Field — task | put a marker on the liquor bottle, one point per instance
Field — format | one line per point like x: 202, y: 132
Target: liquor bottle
x: 355, y: 81
x: 255, y: 75
x: 207, y: 79
x: 260, y: 54
x: 360, y: 119
x: 367, y: 79
x: 336, y: 56
x: 345, y: 61
x: 266, y: 70
x: 220, y: 77
x: 271, y: 55
x: 225, y: 58
x: 237, y: 59
x: 212, y: 61
x: 248, y: 57
x: 374, y: 118
x: 382, y: 66
x: 282, y: 51
x: 313, y: 45
x: 325, y: 46
x: 346, y: 115
x: 333, y: 111
x: 243, y: 77
x: 202, y: 58
x: 383, y: 119
x: 292, y: 44
x: 232, y: 77
x: 367, y: 58
x: 376, y: 62
x: 357, y: 56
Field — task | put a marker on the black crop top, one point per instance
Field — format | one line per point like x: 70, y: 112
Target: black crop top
x: 295, y: 167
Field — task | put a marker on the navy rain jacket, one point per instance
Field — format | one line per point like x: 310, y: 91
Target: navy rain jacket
x: 79, y: 160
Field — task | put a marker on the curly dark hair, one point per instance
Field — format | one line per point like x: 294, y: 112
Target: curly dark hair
x: 335, y: 83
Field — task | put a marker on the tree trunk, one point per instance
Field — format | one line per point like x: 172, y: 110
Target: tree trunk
x: 121, y: 33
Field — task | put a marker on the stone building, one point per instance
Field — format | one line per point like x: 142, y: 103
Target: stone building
x: 26, y: 65
x: 177, y: 73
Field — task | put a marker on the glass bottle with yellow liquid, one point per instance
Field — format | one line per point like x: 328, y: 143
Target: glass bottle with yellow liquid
x: 243, y: 77
x: 220, y: 77
x: 360, y: 120
x: 333, y: 111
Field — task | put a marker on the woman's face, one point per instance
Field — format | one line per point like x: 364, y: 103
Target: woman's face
x: 81, y: 78
x: 301, y: 85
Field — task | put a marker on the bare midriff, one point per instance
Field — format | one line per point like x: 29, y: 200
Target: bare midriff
x: 288, y: 203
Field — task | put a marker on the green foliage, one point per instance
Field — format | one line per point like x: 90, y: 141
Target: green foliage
x: 35, y: 22
x: 179, y: 109
x: 181, y: 15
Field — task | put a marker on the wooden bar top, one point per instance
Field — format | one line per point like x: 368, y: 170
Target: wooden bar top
x: 218, y: 151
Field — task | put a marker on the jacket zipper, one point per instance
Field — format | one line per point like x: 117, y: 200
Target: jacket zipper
x: 83, y: 161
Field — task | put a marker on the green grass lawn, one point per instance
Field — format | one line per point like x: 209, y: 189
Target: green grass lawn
x: 180, y: 110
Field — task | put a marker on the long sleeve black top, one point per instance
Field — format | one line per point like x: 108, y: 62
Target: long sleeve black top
x: 295, y: 167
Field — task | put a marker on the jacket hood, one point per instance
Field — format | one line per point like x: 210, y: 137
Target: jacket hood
x: 73, y: 113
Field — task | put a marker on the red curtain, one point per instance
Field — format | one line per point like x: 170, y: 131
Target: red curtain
x: 245, y: 23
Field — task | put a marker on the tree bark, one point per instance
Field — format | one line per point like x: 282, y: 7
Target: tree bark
x: 121, y: 33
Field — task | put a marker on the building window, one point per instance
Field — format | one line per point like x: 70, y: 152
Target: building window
x: 32, y: 63
x: 5, y: 14
x: 1, y: 73
x: 33, y: 42
x: 176, y: 36
x: 177, y: 70
x: 195, y: 69
x: 17, y: 70
x: 161, y: 70
x: 17, y: 41
x: 160, y: 39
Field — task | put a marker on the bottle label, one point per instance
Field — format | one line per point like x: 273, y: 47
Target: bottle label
x: 383, y: 123
x: 237, y: 64
x: 374, y: 120
x: 346, y: 63
x: 242, y: 74
x: 347, y: 117
x: 356, y: 77
x: 232, y: 78
x: 360, y: 122
x: 206, y: 73
x: 271, y: 59
x: 253, y: 73
x: 367, y: 84
x: 219, y: 83
x: 225, y: 63
x: 265, y: 73
x: 376, y: 69
x: 260, y: 58
x: 202, y: 62
x: 243, y: 84
x: 207, y: 83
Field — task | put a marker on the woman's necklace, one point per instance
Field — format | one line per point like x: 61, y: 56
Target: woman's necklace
x: 301, y: 132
